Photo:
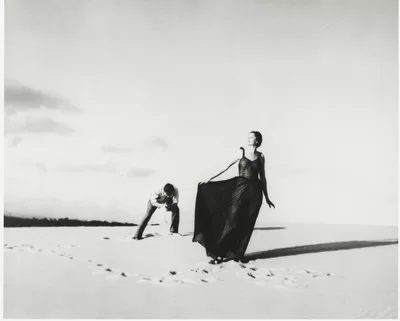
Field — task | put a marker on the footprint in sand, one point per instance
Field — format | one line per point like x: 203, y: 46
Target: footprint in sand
x: 100, y: 272
x: 128, y: 275
x: 149, y: 235
x: 278, y: 278
x: 110, y: 273
x: 251, y: 275
x: 200, y: 270
x: 193, y: 276
x: 149, y: 280
x: 25, y: 248
x: 172, y: 280
x: 314, y: 274
x: 97, y: 266
x: 114, y: 274
x: 171, y: 273
x: 67, y: 246
x: 31, y: 248
x: 290, y: 281
x: 200, y: 276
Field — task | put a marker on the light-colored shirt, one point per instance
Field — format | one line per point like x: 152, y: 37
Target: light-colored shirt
x: 158, y: 197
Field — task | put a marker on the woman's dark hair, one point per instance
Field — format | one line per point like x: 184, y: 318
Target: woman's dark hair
x: 168, y: 189
x: 258, y: 137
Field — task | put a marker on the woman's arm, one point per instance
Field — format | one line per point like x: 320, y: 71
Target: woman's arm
x: 264, y: 182
x: 230, y: 165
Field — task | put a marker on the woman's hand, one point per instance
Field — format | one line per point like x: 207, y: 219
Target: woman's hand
x: 270, y: 204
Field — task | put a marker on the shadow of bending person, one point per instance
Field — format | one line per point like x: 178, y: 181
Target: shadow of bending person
x: 316, y: 248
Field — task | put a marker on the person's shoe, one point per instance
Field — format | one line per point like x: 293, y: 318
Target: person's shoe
x: 218, y: 260
x: 137, y: 238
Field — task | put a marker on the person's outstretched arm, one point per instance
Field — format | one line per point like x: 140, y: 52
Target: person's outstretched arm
x: 230, y: 165
x: 264, y: 182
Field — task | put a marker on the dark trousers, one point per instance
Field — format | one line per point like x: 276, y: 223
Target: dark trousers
x: 149, y: 213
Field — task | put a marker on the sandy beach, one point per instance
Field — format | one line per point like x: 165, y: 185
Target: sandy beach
x: 294, y: 271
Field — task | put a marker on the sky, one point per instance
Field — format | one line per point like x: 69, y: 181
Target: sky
x: 106, y: 100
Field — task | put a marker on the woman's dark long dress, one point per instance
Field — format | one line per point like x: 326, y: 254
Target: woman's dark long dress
x: 226, y: 211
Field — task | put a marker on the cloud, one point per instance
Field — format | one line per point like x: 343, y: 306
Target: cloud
x: 78, y: 168
x: 41, y: 167
x: 47, y: 126
x: 19, y: 97
x: 149, y: 143
x: 107, y: 168
x: 43, y: 125
x: 158, y: 142
x: 116, y: 149
x: 141, y: 172
x: 15, y: 141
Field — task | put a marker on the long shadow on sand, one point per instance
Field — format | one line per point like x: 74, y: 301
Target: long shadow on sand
x: 256, y: 228
x: 316, y: 248
x: 270, y: 228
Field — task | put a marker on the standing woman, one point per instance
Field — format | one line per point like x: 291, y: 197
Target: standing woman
x: 226, y: 211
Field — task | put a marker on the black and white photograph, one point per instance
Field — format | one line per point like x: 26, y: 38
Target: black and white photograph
x: 200, y: 159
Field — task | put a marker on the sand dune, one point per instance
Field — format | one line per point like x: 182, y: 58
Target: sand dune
x: 294, y: 271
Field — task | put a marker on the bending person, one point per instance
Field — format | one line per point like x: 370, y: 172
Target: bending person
x: 167, y: 196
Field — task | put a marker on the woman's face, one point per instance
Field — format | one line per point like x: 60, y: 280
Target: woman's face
x: 251, y: 139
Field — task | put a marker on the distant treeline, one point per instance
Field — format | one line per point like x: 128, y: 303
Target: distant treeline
x: 13, y: 221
